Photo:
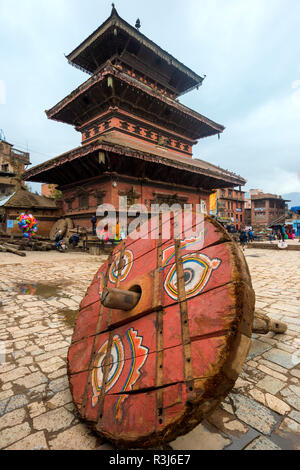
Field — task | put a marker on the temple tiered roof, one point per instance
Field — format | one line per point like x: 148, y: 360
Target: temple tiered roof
x: 99, y: 94
x: 115, y: 38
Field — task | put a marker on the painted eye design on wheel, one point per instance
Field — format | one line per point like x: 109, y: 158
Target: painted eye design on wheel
x: 101, y: 282
x: 125, y: 373
x: 197, y: 270
x: 117, y: 364
x: 127, y: 266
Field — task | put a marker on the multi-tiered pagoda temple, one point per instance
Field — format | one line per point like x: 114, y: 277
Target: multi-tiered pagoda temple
x: 137, y: 138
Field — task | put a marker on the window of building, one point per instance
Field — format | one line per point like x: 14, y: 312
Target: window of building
x: 5, y: 168
x: 69, y: 203
x: 100, y: 197
x: 171, y: 199
x: 83, y: 201
x: 259, y: 203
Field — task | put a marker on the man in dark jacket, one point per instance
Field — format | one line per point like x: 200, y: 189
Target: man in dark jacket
x: 243, y: 239
x: 74, y: 240
x: 94, y: 222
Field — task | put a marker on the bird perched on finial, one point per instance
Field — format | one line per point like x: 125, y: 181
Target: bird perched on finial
x: 138, y: 24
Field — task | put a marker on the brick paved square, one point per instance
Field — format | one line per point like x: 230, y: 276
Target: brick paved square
x: 36, y: 409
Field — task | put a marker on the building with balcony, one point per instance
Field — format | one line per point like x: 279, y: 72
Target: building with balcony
x: 231, y: 206
x: 12, y: 164
x: 267, y: 209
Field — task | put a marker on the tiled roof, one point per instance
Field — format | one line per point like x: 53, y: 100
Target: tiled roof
x: 24, y: 199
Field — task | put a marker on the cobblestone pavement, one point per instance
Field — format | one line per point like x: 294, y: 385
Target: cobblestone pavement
x: 36, y: 410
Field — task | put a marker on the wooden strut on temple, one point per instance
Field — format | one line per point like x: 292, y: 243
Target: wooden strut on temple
x: 263, y: 325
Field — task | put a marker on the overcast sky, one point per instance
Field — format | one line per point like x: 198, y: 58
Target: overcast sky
x: 249, y: 50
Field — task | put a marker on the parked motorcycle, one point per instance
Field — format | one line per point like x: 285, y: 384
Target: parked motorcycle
x: 61, y: 246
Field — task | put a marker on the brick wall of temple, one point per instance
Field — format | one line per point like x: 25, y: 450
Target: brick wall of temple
x: 80, y: 202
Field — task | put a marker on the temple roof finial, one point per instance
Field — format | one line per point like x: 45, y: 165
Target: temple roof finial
x: 138, y: 24
x: 113, y: 11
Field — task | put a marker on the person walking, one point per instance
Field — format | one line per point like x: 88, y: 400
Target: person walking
x: 243, y: 239
x: 94, y: 222
x: 283, y: 232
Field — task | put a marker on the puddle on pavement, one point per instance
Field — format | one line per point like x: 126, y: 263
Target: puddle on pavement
x: 49, y: 291
x: 286, y: 440
x: 39, y: 289
x: 69, y: 317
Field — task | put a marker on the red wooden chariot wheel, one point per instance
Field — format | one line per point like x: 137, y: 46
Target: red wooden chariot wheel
x: 152, y: 370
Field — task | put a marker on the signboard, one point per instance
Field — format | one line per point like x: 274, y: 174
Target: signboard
x: 213, y: 204
x: 10, y: 224
x: 239, y: 210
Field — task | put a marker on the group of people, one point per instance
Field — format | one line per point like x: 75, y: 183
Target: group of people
x: 246, y: 236
x: 282, y: 233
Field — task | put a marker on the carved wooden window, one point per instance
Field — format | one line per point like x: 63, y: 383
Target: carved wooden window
x: 83, y: 201
x: 69, y: 203
x: 132, y: 197
x: 100, y: 198
x: 169, y: 199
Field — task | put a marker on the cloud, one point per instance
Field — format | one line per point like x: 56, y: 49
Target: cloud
x: 263, y: 146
